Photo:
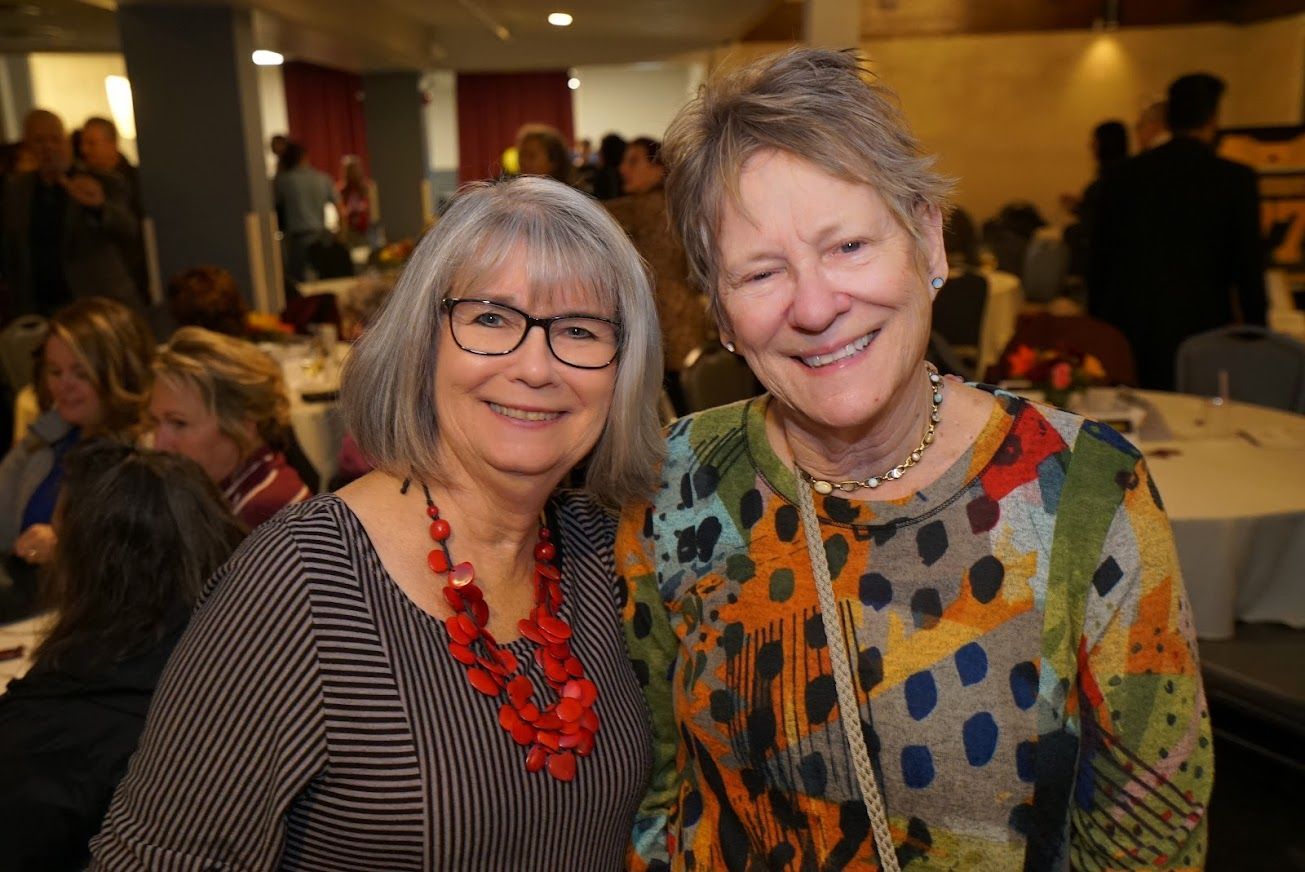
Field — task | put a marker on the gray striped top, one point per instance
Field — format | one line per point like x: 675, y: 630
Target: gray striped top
x: 312, y: 718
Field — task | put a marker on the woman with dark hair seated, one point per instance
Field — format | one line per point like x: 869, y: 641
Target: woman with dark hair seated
x: 139, y: 532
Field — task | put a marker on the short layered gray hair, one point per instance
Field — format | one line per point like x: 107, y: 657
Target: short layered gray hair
x: 820, y: 105
x: 570, y: 243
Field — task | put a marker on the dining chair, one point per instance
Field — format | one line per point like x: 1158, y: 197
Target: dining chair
x: 18, y: 343
x: 1256, y: 365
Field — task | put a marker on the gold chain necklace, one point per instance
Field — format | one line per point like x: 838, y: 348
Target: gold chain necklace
x: 823, y: 487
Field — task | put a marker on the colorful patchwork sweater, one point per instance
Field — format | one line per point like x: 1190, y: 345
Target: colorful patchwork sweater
x: 1019, y: 637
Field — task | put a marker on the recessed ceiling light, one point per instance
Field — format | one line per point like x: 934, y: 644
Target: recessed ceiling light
x: 573, y: 83
x: 264, y: 58
x: 560, y: 19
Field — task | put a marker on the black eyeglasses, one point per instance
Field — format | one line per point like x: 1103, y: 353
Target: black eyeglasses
x: 484, y: 327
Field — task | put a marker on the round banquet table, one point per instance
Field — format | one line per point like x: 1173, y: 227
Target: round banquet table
x: 1233, y: 483
x: 1000, y: 312
x: 313, y: 383
x: 23, y: 635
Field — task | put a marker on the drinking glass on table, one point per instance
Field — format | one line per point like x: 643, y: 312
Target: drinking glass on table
x: 1216, y: 420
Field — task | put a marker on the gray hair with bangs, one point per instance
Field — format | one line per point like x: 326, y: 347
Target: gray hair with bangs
x: 569, y: 243
x: 817, y: 104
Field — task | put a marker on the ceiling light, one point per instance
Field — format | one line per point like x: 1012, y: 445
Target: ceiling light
x: 560, y: 19
x: 265, y: 58
x: 573, y: 83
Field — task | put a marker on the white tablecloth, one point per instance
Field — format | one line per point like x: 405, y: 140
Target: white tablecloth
x: 1237, y: 508
x: 317, y: 423
x: 1005, y: 297
x: 21, y: 633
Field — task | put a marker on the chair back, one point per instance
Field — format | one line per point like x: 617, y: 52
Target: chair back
x: 302, y: 312
x: 958, y: 308
x: 18, y: 344
x: 330, y: 259
x: 941, y: 354
x: 1262, y: 367
x: 717, y: 377
x: 1046, y: 265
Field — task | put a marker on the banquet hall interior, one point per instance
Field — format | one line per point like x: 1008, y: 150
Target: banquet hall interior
x: 275, y: 162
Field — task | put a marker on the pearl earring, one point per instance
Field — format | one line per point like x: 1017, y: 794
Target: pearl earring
x: 937, y: 282
x: 729, y: 346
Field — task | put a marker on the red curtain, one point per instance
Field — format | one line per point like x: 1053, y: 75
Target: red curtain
x: 325, y: 110
x: 492, y: 106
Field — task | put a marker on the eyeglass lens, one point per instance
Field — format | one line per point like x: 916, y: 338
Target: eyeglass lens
x: 488, y: 328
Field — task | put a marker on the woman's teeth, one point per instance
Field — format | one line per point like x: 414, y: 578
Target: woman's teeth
x: 847, y: 350
x: 523, y: 415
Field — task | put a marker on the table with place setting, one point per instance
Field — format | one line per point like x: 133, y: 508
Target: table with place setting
x: 1232, y: 477
x: 1000, y: 312
x: 17, y: 642
x: 312, y: 378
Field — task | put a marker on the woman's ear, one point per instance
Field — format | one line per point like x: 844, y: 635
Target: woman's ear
x: 931, y: 240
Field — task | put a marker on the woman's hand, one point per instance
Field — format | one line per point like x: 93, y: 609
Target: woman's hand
x: 36, y: 544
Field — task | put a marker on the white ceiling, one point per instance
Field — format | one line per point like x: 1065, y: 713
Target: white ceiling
x: 369, y: 35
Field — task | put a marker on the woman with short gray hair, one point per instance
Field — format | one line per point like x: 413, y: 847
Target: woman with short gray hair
x: 885, y: 619
x: 427, y: 671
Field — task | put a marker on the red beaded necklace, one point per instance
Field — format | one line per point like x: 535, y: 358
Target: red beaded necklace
x: 553, y: 735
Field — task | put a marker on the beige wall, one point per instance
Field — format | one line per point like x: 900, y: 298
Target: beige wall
x: 1010, y: 115
x: 631, y: 99
x: 72, y: 86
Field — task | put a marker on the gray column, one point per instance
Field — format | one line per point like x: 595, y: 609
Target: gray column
x: 197, y: 124
x: 396, y: 147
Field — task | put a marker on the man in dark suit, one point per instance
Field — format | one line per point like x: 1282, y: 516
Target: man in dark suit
x: 65, y: 227
x: 101, y: 155
x: 1176, y: 248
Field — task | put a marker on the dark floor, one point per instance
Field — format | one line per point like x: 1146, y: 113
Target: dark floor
x: 1256, y: 687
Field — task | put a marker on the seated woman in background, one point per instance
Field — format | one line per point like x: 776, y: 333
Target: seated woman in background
x: 681, y: 310
x: 203, y: 296
x: 139, y: 533
x: 95, y: 365
x: 222, y: 402
x: 541, y: 151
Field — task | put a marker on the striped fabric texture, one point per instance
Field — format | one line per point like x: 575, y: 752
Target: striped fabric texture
x: 311, y: 718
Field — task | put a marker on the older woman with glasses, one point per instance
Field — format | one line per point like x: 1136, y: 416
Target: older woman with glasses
x: 886, y: 619
x: 427, y: 670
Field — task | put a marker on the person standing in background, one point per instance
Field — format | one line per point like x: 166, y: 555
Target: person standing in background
x: 100, y: 153
x: 607, y: 179
x: 1176, y: 246
x: 681, y: 311
x: 1109, y: 149
x: 302, y: 194
x: 541, y: 151
x: 64, y: 229
x: 355, y: 200
x: 1150, y: 129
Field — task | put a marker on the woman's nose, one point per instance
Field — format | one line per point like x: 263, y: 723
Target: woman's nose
x: 817, y: 303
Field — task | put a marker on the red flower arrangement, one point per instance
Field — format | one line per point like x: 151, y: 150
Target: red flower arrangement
x: 1057, y: 372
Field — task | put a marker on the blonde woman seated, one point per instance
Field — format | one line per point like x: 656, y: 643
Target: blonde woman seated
x: 94, y: 377
x: 221, y: 402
